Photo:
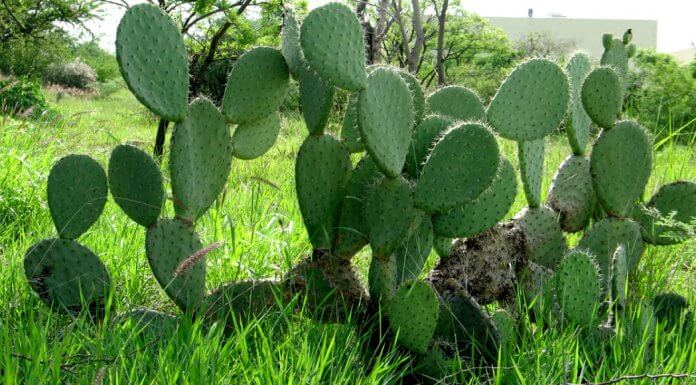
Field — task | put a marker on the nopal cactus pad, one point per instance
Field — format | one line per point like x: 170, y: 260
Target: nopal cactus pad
x: 200, y: 159
x: 316, y: 99
x: 602, y: 96
x: 389, y: 215
x: 332, y: 42
x: 290, y: 42
x: 67, y: 275
x: 485, y: 211
x: 257, y: 85
x: 350, y: 132
x: 676, y: 197
x: 571, y: 193
x: 381, y: 280
x: 167, y: 245
x: 578, y: 287
x: 77, y: 190
x: 136, y: 184
x: 543, y: 239
x: 417, y: 95
x: 620, y: 164
x: 322, y: 170
x: 531, y: 156
x: 615, y: 55
x: 448, y: 179
x: 251, y: 140
x: 414, y: 251
x: 385, y: 119
x: 413, y: 314
x: 423, y: 139
x: 578, y: 128
x: 532, y: 101
x: 458, y: 103
x: 153, y: 62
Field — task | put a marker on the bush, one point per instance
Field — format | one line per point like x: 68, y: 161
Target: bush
x: 110, y: 87
x: 74, y: 74
x: 103, y: 62
x: 23, y: 98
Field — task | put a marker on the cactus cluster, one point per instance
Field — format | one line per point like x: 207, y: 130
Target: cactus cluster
x: 430, y: 171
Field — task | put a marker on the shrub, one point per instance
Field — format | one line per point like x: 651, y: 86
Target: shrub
x: 103, y: 62
x: 110, y: 87
x: 74, y: 74
x: 23, y: 98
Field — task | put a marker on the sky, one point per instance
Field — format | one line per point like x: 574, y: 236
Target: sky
x: 676, y: 24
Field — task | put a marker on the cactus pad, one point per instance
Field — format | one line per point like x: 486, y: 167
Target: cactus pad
x: 531, y: 103
x: 251, y: 140
x: 442, y: 246
x: 200, y: 159
x: 332, y: 42
x: 352, y: 233
x: 167, y: 245
x: 381, y: 280
x: 290, y: 42
x: 485, y: 211
x: 448, y: 179
x: 322, y: 170
x: 578, y: 127
x: 506, y: 328
x: 414, y: 251
x: 316, y: 100
x: 531, y: 156
x: 544, y: 241
x: 423, y: 139
x: 620, y: 165
x: 578, y: 287
x: 389, y: 215
x: 678, y: 197
x: 245, y: 300
x: 417, y: 94
x: 136, y: 184
x: 571, y: 193
x: 619, y: 275
x: 458, y: 103
x: 148, y: 323
x: 615, y: 55
x: 152, y: 58
x: 350, y: 132
x: 64, y: 274
x: 385, y: 119
x: 606, y: 235
x: 77, y: 190
x: 256, y: 86
x: 413, y: 314
x: 602, y: 96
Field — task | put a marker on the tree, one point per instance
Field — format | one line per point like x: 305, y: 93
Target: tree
x: 542, y: 44
x: 36, y: 20
x: 413, y: 40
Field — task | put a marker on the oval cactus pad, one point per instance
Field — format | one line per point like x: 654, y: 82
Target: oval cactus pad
x: 458, y: 103
x: 413, y: 314
x: 602, y: 96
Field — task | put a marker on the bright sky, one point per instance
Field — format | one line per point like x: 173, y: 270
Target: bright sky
x: 676, y: 27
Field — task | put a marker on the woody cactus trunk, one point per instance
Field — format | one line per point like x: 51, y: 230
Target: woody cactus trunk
x: 430, y: 176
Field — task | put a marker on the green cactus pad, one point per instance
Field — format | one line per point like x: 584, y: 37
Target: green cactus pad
x: 412, y: 254
x: 423, y: 139
x: 381, y: 280
x: 448, y: 179
x: 352, y: 232
x: 458, y: 103
x: 332, y: 42
x: 350, y: 132
x: 544, y: 241
x: 616, y: 56
x: 442, y: 246
x: 571, y: 193
x: 620, y: 165
x: 578, y: 127
x: 417, y: 94
x: 251, y: 140
x: 385, y: 119
x: 290, y: 42
x: 200, y: 159
x: 256, y: 86
x: 413, y: 314
x: 389, y: 215
x: 619, y: 275
x: 485, y: 211
x: 606, y: 235
x: 602, y: 96
x: 678, y: 197
x: 531, y: 156
x: 316, y: 100
x: 77, y: 190
x: 167, y: 245
x: 153, y: 62
x: 578, y: 287
x: 531, y: 103
x: 506, y: 328
x: 537, y: 287
x: 607, y: 40
x: 244, y: 300
x: 67, y: 275
x: 322, y: 170
x: 136, y: 184
x: 152, y: 324
x: 631, y: 50
x: 669, y: 307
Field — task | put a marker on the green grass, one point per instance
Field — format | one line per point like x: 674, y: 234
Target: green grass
x: 259, y: 221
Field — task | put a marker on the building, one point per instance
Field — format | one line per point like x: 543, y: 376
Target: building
x: 585, y: 33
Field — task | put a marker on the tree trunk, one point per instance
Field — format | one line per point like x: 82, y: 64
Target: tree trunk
x: 440, y: 60
x: 159, y: 139
x: 417, y: 50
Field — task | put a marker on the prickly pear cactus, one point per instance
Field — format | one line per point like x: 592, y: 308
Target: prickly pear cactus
x: 415, y: 329
x: 578, y: 287
x: 458, y: 103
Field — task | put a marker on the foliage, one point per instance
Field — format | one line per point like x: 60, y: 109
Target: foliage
x: 103, y: 62
x: 30, y: 58
x: 35, y: 20
x: 73, y: 74
x: 543, y: 44
x: 662, y: 95
x: 22, y: 97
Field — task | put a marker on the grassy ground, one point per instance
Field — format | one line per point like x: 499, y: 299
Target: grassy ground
x: 259, y: 220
